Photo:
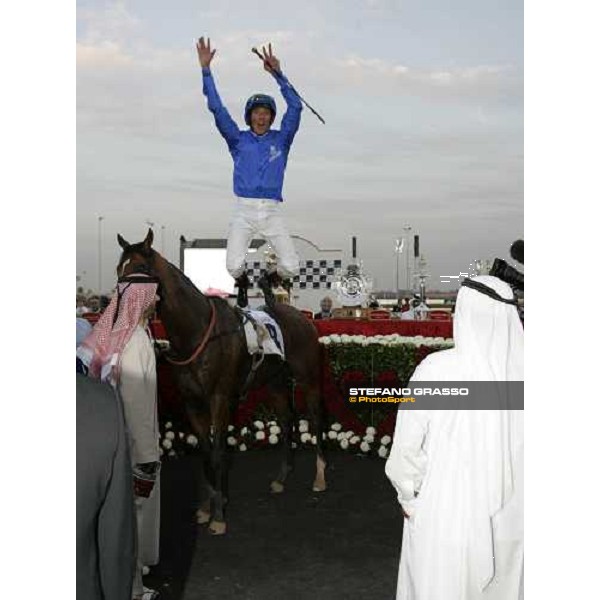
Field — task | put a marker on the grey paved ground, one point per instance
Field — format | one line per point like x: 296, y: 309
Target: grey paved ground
x: 343, y: 544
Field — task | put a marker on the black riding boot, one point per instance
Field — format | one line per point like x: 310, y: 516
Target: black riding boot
x: 266, y: 284
x: 242, y: 283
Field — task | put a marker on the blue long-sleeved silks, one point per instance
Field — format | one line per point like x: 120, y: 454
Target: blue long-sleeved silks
x: 259, y: 160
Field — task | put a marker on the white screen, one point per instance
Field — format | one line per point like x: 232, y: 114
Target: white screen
x: 206, y: 268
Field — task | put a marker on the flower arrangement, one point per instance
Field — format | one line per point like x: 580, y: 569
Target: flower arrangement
x: 261, y: 434
x: 393, y: 339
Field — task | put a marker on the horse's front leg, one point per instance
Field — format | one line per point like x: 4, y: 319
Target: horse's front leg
x: 220, y: 413
x: 200, y: 422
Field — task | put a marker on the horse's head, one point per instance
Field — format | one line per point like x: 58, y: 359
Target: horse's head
x: 137, y: 258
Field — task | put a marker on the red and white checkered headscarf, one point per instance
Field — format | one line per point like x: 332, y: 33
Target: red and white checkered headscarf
x: 101, y: 350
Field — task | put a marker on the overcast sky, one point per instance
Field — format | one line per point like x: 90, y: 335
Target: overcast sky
x: 424, y: 110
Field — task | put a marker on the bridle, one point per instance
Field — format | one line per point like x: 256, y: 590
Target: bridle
x: 127, y: 280
x: 142, y: 274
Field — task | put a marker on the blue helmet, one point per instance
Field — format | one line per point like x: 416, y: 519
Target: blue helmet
x: 259, y: 100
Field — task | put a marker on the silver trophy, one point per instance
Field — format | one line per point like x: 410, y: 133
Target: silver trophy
x: 352, y: 287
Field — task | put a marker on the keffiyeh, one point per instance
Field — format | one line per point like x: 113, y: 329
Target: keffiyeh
x: 101, y: 349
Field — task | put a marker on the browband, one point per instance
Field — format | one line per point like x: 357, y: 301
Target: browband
x: 488, y: 291
x: 137, y: 278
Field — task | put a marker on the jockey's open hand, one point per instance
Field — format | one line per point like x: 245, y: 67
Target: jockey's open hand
x: 271, y: 62
x: 205, y: 53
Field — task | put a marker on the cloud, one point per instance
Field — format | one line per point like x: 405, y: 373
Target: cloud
x: 472, y: 81
x: 104, y: 55
x: 113, y: 22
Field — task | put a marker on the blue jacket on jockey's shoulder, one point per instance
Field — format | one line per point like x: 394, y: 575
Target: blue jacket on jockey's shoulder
x: 259, y: 160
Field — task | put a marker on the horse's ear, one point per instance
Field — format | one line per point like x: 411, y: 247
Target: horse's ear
x: 148, y: 241
x: 122, y: 242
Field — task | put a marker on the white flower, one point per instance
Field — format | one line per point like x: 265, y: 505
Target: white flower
x: 259, y: 425
x: 170, y: 435
x: 230, y: 428
x: 336, y: 427
x: 242, y: 447
x: 305, y: 437
x: 313, y: 440
x: 303, y: 427
x: 371, y: 431
x: 354, y: 439
x: 324, y: 436
x: 260, y: 435
x: 332, y: 435
x: 271, y: 423
x: 167, y: 444
x: 168, y: 425
x: 244, y: 431
x: 274, y: 429
x: 369, y: 439
x: 231, y: 441
x: 349, y: 434
x: 325, y: 341
x: 345, y: 338
x: 335, y: 338
x: 383, y: 451
x: 172, y: 453
x: 145, y: 570
x: 365, y: 447
x: 303, y: 422
x: 344, y: 444
x: 385, y: 440
x: 273, y: 439
x: 181, y: 435
x: 294, y: 445
x: 192, y: 440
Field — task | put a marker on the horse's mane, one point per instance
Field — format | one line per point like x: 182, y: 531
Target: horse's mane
x: 184, y: 278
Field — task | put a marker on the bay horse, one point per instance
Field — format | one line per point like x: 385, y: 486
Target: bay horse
x: 213, y: 368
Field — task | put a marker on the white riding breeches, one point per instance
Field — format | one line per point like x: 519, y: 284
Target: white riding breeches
x: 260, y: 218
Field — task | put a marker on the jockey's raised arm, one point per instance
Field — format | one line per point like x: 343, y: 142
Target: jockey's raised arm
x: 291, y: 119
x: 225, y: 124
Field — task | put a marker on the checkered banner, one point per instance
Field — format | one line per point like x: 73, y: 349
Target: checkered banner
x: 314, y: 274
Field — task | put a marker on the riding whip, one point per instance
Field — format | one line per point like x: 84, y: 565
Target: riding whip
x: 255, y: 51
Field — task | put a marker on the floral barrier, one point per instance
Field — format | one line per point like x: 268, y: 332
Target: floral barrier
x: 379, y: 360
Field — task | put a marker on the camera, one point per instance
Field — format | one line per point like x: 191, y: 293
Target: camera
x: 502, y: 270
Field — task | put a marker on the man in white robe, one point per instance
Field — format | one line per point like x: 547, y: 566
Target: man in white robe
x: 137, y: 389
x: 459, y: 474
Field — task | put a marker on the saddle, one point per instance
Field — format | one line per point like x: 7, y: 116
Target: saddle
x: 263, y: 334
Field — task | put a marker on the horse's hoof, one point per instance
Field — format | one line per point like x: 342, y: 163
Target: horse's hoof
x: 277, y: 487
x: 319, y: 487
x: 217, y: 527
x: 202, y: 516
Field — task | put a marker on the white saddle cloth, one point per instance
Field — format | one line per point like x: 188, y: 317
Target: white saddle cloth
x: 263, y: 334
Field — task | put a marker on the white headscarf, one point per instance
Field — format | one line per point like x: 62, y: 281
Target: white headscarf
x: 489, y: 346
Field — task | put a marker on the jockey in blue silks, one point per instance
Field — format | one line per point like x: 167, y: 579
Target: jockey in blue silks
x: 259, y: 157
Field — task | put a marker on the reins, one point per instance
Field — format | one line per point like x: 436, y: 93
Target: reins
x: 203, y: 343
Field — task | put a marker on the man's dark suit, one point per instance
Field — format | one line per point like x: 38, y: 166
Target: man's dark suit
x: 105, y: 517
